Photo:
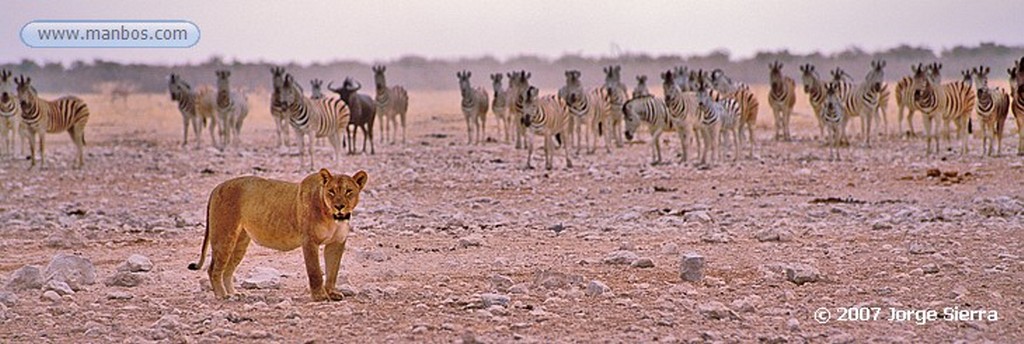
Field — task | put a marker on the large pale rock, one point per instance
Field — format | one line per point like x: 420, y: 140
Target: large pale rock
x: 27, y: 277
x: 262, y: 278
x: 76, y: 271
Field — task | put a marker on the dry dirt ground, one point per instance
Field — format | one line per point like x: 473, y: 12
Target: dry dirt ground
x: 442, y: 226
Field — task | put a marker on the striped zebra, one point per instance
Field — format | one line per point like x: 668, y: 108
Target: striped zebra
x: 587, y: 108
x: 232, y: 108
x: 993, y: 104
x: 681, y: 77
x: 653, y: 111
x: 499, y: 106
x: 392, y: 105
x: 833, y: 114
x: 474, y: 107
x: 547, y: 116
x: 682, y: 109
x: 325, y: 117
x: 905, y: 101
x: 781, y: 98
x: 814, y: 87
x: 615, y: 94
x: 711, y: 113
x: 952, y: 101
x: 315, y: 89
x: 744, y: 97
x: 1017, y: 103
x: 518, y: 83
x: 641, y: 87
x: 277, y: 111
x: 43, y: 117
x: 876, y: 78
x: 197, y: 108
x: 10, y: 113
x: 859, y: 100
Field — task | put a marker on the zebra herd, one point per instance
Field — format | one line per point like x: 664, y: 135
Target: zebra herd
x: 710, y: 110
x: 24, y: 112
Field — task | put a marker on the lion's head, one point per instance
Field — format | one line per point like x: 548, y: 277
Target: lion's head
x: 340, y: 193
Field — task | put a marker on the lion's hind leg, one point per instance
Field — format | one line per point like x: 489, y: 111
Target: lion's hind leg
x: 241, y: 245
x: 223, y: 237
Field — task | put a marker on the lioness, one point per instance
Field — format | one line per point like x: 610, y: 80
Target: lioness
x: 282, y: 216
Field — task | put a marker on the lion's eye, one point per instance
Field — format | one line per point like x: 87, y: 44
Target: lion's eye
x: 330, y: 193
x: 348, y: 193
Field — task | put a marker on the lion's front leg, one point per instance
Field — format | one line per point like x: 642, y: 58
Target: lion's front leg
x: 332, y: 262
x: 311, y: 253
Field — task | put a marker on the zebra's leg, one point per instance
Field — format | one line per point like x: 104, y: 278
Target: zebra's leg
x: 656, y: 144
x: 184, y: 124
x: 403, y: 125
x: 42, y: 148
x: 469, y: 131
x: 32, y: 149
x: 77, y: 133
x: 681, y: 132
x: 866, y: 124
x: 547, y: 151
x: 529, y: 151
x: 568, y: 161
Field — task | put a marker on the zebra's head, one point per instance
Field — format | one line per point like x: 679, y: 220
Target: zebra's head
x: 528, y: 99
x: 464, y: 85
x: 831, y: 97
x: 775, y: 74
x: 840, y: 75
x: 1012, y: 71
x: 314, y: 90
x: 935, y: 72
x: 6, y: 87
x: 877, y: 72
x: 809, y: 77
x: 278, y: 78
x: 177, y: 87
x: 223, y: 87
x: 641, y: 87
x: 966, y: 77
x: 922, y: 80
x: 631, y: 119
x: 26, y: 92
x: 290, y: 91
x: 378, y: 76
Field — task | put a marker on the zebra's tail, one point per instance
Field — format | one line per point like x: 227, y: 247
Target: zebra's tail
x: 970, y: 125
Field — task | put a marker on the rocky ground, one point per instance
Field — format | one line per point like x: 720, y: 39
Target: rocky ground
x: 457, y: 243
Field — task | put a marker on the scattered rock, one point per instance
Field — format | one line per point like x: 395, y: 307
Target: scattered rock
x: 125, y: 279
x: 501, y: 282
x: 119, y: 295
x: 347, y: 290
x: 714, y: 235
x: 472, y: 240
x: 136, y: 263
x: 262, y: 278
x: 491, y: 299
x: 620, y: 258
x: 595, y: 288
x: 28, y: 277
x: 697, y: 216
x: 76, y: 271
x: 520, y: 288
x: 374, y: 256
x: 801, y: 273
x: 774, y: 234
x: 933, y: 173
x: 691, y: 268
x: 793, y: 325
x: 168, y: 322
x: 920, y: 248
x: 881, y: 226
x: 715, y: 310
x: 930, y: 268
x: 51, y: 296
x: 8, y: 299
x: 669, y: 249
x: 60, y: 287
x: 65, y: 239
x: 628, y: 216
x: 643, y: 263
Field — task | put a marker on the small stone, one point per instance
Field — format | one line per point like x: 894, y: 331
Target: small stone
x: 469, y: 337
x: 347, y: 290
x: 920, y: 248
x: 697, y: 216
x: 119, y: 295
x: 491, y: 299
x: 933, y: 173
x: 774, y: 234
x: 692, y: 267
x: 669, y: 249
x: 643, y: 263
x: 472, y: 240
x: 501, y: 282
x: 930, y: 268
x: 626, y: 246
x: 715, y: 310
x: 793, y: 325
x: 262, y: 278
x: 8, y: 299
x: 136, y: 263
x: 60, y: 287
x: 125, y: 279
x: 803, y: 172
x: 714, y: 235
x: 595, y: 288
x: 801, y: 273
x: 28, y: 277
x: 65, y: 239
x: 620, y: 258
x: 51, y: 296
x: 881, y: 226
x: 168, y: 322
x: 520, y: 288
x: 71, y: 269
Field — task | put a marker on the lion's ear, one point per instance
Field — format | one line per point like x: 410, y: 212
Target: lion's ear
x: 360, y: 178
x: 326, y: 175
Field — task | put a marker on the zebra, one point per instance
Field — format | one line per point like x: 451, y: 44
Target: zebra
x: 653, y: 111
x: 232, y: 108
x: 547, y: 116
x: 614, y: 93
x: 197, y: 108
x: 859, y: 100
x: 277, y: 108
x: 744, y: 97
x: 641, y: 87
x: 681, y: 77
x: 993, y: 104
x: 518, y: 82
x: 682, y: 109
x: 1017, y: 103
x: 781, y: 98
x: 711, y: 113
x: 43, y: 117
x: 833, y: 114
x: 310, y: 118
x: 392, y: 105
x: 474, y: 107
x: 952, y: 101
x: 905, y: 101
x: 814, y: 87
x: 587, y: 108
x: 499, y: 106
x: 315, y: 91
x: 10, y: 113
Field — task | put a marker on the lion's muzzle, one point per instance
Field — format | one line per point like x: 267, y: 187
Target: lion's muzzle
x: 342, y: 216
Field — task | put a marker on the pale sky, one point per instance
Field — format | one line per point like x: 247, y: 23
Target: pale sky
x: 383, y: 30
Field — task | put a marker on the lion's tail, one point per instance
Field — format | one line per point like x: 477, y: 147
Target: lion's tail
x: 206, y: 239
